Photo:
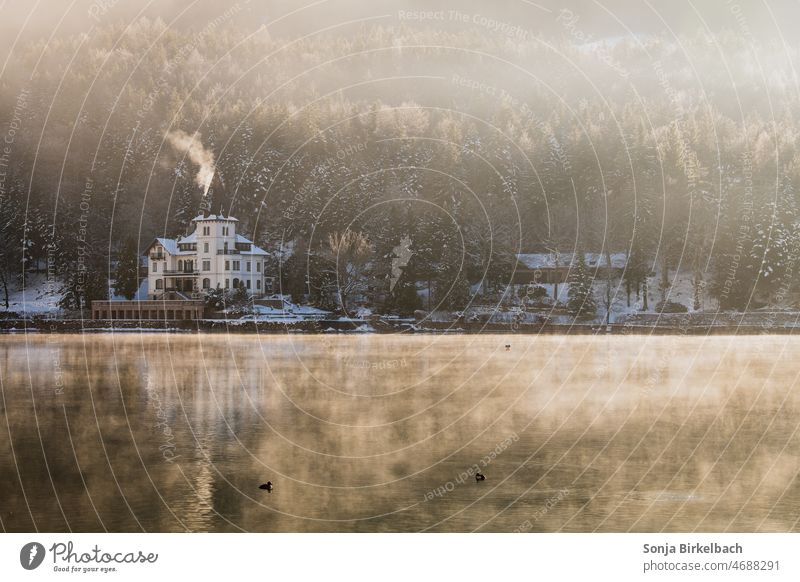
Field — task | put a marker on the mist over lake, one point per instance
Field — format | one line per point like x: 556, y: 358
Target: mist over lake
x: 152, y: 432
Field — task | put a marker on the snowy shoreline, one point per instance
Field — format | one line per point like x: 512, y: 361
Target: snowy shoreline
x: 322, y: 327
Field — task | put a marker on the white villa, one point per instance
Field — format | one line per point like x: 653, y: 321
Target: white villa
x: 214, y: 256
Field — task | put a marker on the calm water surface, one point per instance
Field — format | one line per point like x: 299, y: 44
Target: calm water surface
x: 130, y: 432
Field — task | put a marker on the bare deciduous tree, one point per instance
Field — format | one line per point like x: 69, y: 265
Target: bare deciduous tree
x: 349, y: 254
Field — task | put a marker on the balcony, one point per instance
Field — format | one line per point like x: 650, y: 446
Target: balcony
x: 236, y: 250
x: 180, y: 272
x: 157, y: 257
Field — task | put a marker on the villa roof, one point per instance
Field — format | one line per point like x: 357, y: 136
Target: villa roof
x: 201, y: 218
x: 254, y: 250
x: 171, y: 246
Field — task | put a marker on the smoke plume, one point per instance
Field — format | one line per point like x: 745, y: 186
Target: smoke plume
x: 199, y: 155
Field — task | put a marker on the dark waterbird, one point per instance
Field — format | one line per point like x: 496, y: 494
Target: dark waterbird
x: 508, y: 347
x: 267, y: 486
x: 480, y: 476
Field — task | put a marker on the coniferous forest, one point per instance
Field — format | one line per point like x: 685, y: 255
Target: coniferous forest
x: 472, y: 145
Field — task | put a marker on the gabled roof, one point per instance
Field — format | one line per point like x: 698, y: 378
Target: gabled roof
x: 170, y: 246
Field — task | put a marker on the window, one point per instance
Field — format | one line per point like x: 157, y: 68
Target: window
x: 180, y: 265
x: 224, y: 231
x: 227, y: 265
x: 236, y: 265
x: 155, y: 267
x: 248, y: 283
x: 227, y: 283
x: 258, y: 284
x: 206, y: 283
x: 206, y: 265
x: 206, y: 231
x: 236, y: 283
x: 159, y: 283
x: 248, y: 266
x: 258, y: 267
x: 205, y: 247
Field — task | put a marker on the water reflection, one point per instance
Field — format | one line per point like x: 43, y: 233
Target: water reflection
x: 377, y: 433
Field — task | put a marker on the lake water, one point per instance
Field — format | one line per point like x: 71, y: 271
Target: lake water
x: 153, y: 432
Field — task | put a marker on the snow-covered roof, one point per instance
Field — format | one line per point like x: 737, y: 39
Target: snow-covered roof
x: 201, y: 218
x: 254, y: 250
x: 550, y: 260
x: 169, y: 244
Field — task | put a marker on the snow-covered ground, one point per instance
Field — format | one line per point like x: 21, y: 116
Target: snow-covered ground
x: 289, y: 313
x: 681, y: 291
x: 141, y: 293
x: 39, y: 298
x: 34, y: 297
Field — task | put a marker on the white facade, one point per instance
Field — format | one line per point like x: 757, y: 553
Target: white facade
x: 214, y: 256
